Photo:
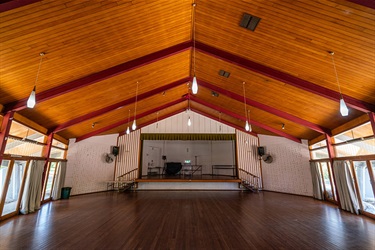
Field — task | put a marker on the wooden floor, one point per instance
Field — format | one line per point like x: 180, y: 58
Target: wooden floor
x: 188, y: 220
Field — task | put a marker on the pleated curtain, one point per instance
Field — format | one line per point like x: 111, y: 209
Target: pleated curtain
x: 345, y: 187
x: 59, y: 180
x: 316, y: 181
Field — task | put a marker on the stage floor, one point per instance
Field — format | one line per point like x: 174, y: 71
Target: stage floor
x: 182, y: 178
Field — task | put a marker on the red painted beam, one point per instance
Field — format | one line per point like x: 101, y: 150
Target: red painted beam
x: 224, y: 122
x: 372, y: 121
x: 266, y: 108
x: 119, y: 123
x: 235, y: 115
x: 284, y: 77
x: 118, y: 105
x: 366, y: 3
x: 99, y: 76
x: 4, y: 132
x: 9, y: 5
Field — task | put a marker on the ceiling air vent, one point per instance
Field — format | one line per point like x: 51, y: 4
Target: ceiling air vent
x: 249, y: 22
x: 224, y: 73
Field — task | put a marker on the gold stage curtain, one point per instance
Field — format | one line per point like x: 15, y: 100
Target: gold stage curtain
x: 189, y: 137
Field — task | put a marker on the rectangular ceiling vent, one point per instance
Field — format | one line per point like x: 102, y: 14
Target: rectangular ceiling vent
x: 249, y: 22
x: 224, y: 73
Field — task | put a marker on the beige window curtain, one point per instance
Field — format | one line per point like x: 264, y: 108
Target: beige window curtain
x: 59, y: 180
x: 317, y: 181
x: 33, y: 188
x: 345, y: 187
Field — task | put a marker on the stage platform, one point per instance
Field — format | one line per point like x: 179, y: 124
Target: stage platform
x: 180, y: 182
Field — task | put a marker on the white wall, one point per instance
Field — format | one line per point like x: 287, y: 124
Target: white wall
x: 86, y: 169
x: 290, y: 171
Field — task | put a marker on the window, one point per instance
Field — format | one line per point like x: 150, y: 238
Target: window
x: 328, y: 182
x: 13, y: 191
x: 366, y: 192
x: 355, y: 142
x: 50, y: 179
x: 319, y: 150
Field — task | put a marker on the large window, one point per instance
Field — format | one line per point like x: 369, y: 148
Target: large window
x: 319, y: 150
x: 50, y: 178
x: 355, y: 142
x: 11, y: 188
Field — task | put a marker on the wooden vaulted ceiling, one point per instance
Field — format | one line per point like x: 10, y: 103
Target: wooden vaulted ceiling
x: 97, y: 51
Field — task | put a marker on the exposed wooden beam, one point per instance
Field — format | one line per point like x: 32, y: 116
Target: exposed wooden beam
x: 284, y: 77
x: 240, y: 117
x: 100, y: 76
x: 366, y: 3
x: 9, y: 5
x: 119, y: 123
x: 118, y: 105
x: 223, y: 121
x: 266, y: 108
x: 4, y: 132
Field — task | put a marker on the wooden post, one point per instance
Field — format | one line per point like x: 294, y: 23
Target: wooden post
x: 4, y: 132
x: 372, y: 121
x: 46, y: 154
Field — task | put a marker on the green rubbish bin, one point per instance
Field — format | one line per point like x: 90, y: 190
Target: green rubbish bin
x: 65, y: 192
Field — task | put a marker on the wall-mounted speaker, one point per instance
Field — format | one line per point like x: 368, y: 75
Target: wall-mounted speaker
x: 261, y: 151
x: 115, y: 150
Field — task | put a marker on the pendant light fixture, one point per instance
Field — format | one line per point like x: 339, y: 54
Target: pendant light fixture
x: 157, y: 120
x: 194, y: 86
x: 134, y: 126
x: 32, y: 98
x: 189, y: 120
x: 247, y: 126
x: 128, y: 129
x: 250, y: 128
x: 343, y: 108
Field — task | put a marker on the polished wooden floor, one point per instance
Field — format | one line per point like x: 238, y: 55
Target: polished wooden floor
x: 188, y: 220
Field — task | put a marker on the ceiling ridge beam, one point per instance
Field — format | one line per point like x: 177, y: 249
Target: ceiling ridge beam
x: 284, y: 77
x: 366, y: 3
x: 237, y: 116
x: 117, y: 105
x: 266, y: 108
x: 100, y: 76
x: 119, y: 123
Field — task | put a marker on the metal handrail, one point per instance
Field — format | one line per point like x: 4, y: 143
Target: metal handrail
x: 130, y: 173
x: 251, y: 179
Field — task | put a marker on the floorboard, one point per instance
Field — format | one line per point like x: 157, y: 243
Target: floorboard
x: 188, y: 220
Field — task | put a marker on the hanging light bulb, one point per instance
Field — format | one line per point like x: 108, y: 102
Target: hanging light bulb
x: 247, y: 126
x: 194, y: 87
x: 31, y: 101
x: 134, y: 126
x: 128, y: 129
x: 343, y: 108
x: 189, y: 122
x: 250, y: 128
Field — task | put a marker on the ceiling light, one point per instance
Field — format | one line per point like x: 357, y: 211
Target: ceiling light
x: 343, y: 108
x: 282, y: 126
x: 32, y: 98
x: 189, y: 120
x: 134, y: 126
x: 128, y: 129
x: 194, y: 87
x: 247, y: 126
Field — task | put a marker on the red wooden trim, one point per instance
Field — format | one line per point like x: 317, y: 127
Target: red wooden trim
x: 266, y: 108
x: 46, y: 155
x: 235, y: 115
x: 118, y: 105
x: 284, y: 77
x: 99, y: 76
x: 372, y: 121
x: 332, y: 155
x: 9, y: 5
x: 224, y: 122
x: 122, y: 122
x: 4, y: 132
x: 366, y: 3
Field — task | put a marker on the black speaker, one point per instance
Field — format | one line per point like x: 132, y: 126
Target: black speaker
x: 261, y: 151
x: 115, y: 150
